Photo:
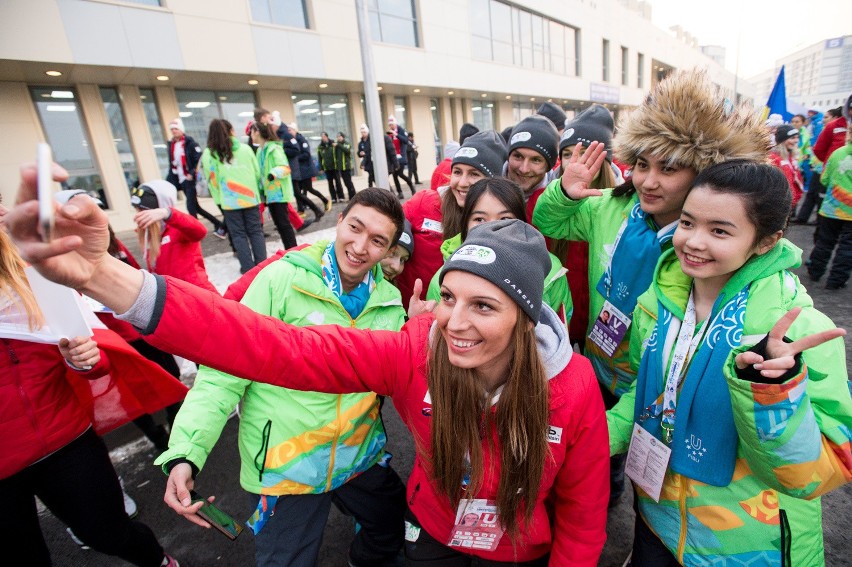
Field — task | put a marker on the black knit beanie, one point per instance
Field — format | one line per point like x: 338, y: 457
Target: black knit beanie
x: 485, y: 151
x: 406, y: 239
x: 536, y: 133
x: 466, y: 131
x: 592, y: 125
x: 785, y: 132
x: 510, y: 254
x: 554, y: 113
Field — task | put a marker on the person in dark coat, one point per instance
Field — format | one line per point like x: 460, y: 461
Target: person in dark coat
x: 295, y: 152
x: 366, y: 155
x: 399, y: 140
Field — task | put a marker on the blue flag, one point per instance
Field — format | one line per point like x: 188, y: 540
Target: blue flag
x: 777, y: 102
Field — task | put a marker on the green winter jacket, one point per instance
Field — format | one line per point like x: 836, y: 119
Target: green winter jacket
x: 595, y: 220
x: 234, y: 185
x: 556, y: 292
x: 291, y: 442
x: 793, y: 440
x: 342, y: 156
x: 272, y: 161
x: 325, y: 156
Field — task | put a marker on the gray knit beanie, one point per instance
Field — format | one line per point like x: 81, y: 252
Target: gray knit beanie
x: 510, y: 254
x: 554, y: 113
x: 592, y: 125
x: 536, y: 133
x: 406, y: 239
x: 485, y: 151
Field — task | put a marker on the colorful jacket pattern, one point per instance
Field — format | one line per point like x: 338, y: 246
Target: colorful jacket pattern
x: 234, y: 185
x: 272, y: 161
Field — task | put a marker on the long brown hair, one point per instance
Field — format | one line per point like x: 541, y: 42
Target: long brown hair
x: 451, y: 214
x: 219, y: 140
x: 462, y: 418
x: 13, y: 281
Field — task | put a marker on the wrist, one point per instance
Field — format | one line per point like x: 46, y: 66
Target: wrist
x: 114, y: 283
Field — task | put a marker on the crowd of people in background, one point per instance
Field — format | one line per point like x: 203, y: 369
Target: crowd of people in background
x: 572, y: 302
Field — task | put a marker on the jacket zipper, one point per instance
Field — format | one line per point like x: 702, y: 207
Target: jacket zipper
x: 786, y: 538
x: 414, y: 495
x: 264, y: 447
x: 681, y: 543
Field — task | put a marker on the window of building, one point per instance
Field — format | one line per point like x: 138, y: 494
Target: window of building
x: 399, y: 107
x: 120, y: 136
x: 521, y: 110
x: 483, y: 114
x: 318, y: 113
x: 640, y: 70
x: 514, y: 36
x: 155, y: 127
x: 63, y: 125
x: 605, y: 60
x: 435, y: 108
x: 393, y: 21
x: 625, y: 66
x: 199, y: 108
x: 282, y: 12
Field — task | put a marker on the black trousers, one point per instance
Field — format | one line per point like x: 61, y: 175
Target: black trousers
x: 401, y: 173
x: 616, y: 462
x: 335, y: 188
x: 412, y: 169
x: 78, y: 484
x: 278, y: 212
x: 648, y: 550
x: 832, y: 233
x: 154, y: 432
x: 426, y: 551
x: 346, y: 176
x: 192, y: 206
x: 812, y: 200
x: 305, y: 186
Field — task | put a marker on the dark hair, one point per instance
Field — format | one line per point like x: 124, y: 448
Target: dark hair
x: 626, y: 188
x: 325, y: 134
x: 763, y: 188
x: 260, y: 113
x: 505, y: 191
x: 836, y: 112
x: 383, y: 201
x: 219, y: 140
x: 802, y: 116
x: 265, y: 131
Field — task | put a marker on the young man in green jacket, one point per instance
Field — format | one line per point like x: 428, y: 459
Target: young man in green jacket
x: 302, y: 451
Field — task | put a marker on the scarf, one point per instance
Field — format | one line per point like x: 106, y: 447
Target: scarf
x: 354, y: 301
x: 704, y: 440
x: 636, y: 249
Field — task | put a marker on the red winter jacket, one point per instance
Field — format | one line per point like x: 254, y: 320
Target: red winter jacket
x: 792, y: 173
x: 39, y: 411
x: 833, y: 136
x: 180, y: 251
x: 441, y: 174
x: 423, y: 211
x: 570, y: 510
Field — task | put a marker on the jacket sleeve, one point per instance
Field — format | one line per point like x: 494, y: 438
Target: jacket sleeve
x: 824, y: 142
x: 193, y: 154
x: 557, y: 294
x: 558, y: 216
x: 202, y: 417
x: 281, y: 169
x: 795, y: 434
x: 582, y: 486
x: 102, y: 368
x: 329, y: 358
x: 190, y: 229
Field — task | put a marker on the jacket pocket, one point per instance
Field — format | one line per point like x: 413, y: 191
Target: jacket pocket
x: 260, y: 457
x: 786, y: 538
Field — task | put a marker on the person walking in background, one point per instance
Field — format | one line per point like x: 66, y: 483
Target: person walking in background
x: 275, y: 177
x: 412, y: 159
x: 343, y: 162
x: 184, y: 154
x: 325, y: 155
x: 785, y: 156
x: 293, y: 153
x: 399, y: 140
x: 233, y: 176
x: 306, y: 167
x: 365, y: 152
x: 835, y: 220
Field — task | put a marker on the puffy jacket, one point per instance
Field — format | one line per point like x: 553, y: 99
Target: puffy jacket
x: 180, y: 250
x: 325, y: 155
x: 272, y: 161
x: 423, y: 211
x: 570, y: 510
x: 234, y: 185
x: 791, y: 172
x: 832, y: 137
x: 290, y: 442
x: 595, y: 220
x: 342, y: 156
x: 556, y: 292
x: 793, y: 437
x: 40, y: 411
x: 837, y: 178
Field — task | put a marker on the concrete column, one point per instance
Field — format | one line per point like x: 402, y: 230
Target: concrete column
x: 356, y: 118
x: 21, y: 129
x: 503, y: 114
x: 140, y: 137
x: 169, y: 109
x: 420, y: 121
x: 278, y: 100
x: 448, y: 132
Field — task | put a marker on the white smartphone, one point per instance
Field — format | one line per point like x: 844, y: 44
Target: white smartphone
x: 44, y: 160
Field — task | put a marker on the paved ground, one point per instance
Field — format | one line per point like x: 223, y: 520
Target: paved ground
x: 195, y: 547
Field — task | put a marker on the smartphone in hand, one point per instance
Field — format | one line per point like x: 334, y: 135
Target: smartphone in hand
x: 217, y: 518
x: 44, y: 160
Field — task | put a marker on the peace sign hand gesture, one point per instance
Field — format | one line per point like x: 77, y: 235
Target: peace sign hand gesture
x: 581, y: 170
x: 780, y: 355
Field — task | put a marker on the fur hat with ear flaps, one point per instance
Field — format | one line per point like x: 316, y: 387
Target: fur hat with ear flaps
x: 686, y: 121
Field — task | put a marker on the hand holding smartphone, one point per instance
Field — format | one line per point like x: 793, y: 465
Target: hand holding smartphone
x: 44, y: 161
x: 217, y: 518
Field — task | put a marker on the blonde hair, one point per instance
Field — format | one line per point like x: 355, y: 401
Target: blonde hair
x: 14, y: 283
x: 152, y: 235
x: 462, y: 418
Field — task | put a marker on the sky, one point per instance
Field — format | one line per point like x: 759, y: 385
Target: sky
x: 765, y: 30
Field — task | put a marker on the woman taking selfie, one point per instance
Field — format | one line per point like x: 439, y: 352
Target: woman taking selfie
x: 507, y: 420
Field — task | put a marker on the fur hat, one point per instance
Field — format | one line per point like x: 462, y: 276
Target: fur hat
x: 554, y: 113
x: 686, y: 121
